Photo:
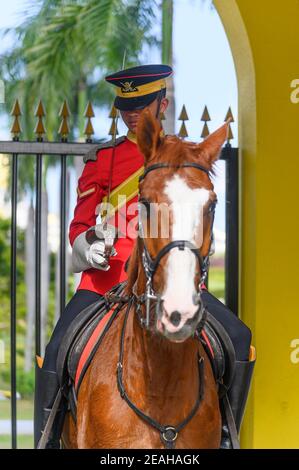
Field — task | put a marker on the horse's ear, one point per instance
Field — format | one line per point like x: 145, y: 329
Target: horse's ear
x: 148, y: 134
x: 211, y: 147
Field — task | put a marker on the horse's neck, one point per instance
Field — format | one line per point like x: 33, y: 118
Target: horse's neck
x: 163, y: 368
x: 163, y: 357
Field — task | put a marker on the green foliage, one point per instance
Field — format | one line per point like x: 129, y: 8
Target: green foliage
x: 4, y: 249
x: 5, y: 270
x: 25, y: 383
x: 65, y: 47
x: 167, y: 28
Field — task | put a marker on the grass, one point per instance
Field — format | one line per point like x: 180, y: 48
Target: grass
x: 24, y: 411
x: 217, y: 281
x: 23, y: 442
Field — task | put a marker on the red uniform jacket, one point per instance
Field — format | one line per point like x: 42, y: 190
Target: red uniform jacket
x: 92, y: 187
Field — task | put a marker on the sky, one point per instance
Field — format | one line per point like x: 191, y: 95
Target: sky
x: 204, y: 74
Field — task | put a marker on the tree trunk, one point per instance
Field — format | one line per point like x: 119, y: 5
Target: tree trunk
x: 78, y: 161
x: 67, y: 257
x: 30, y: 291
x: 167, y: 58
x: 45, y: 271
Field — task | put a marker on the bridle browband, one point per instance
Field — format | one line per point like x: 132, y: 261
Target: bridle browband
x: 156, y: 166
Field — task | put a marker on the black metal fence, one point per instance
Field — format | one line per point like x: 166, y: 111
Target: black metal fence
x: 19, y: 149
x: 16, y: 150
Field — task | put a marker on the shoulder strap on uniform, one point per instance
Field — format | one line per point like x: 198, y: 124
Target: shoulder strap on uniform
x: 92, y: 154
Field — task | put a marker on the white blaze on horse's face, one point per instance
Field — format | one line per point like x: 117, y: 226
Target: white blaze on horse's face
x: 187, y: 208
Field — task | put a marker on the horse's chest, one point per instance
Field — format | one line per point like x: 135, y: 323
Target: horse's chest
x: 105, y: 419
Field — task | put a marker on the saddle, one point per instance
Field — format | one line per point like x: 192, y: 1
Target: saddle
x: 88, y: 329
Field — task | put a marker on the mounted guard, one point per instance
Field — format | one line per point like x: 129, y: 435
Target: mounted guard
x: 108, y: 187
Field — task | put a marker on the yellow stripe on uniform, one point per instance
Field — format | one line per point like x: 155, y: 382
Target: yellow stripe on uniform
x: 123, y: 193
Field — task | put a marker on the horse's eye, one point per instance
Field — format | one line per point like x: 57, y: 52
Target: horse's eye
x: 212, y: 206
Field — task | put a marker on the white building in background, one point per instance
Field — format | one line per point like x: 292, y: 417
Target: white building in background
x: 5, y: 206
x: 53, y: 232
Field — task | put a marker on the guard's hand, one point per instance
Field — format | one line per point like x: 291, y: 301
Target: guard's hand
x: 90, y: 252
x: 96, y: 256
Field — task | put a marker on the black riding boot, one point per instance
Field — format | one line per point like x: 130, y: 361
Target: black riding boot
x: 46, y: 388
x: 237, y: 396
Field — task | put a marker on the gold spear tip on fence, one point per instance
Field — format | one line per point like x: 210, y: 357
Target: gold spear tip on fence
x: 16, y: 112
x: 183, y: 116
x: 64, y: 113
x: 16, y: 128
x: 230, y: 134
x: 113, y: 113
x: 89, y: 113
x: 64, y: 128
x: 229, y: 115
x: 64, y: 110
x: 205, y: 131
x: 183, y: 131
x: 88, y: 131
x: 40, y: 113
x: 229, y: 118
x: 205, y: 115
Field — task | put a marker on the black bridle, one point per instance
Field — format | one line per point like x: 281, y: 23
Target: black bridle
x: 168, y: 433
x: 150, y: 264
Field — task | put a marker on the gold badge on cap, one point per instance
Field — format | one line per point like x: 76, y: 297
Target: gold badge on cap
x: 128, y: 88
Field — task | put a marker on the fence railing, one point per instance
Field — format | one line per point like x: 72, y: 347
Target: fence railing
x: 17, y: 149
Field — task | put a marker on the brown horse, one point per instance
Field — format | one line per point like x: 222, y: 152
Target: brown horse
x: 164, y: 369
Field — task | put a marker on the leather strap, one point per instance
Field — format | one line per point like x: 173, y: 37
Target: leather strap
x: 156, y: 166
x: 50, y: 421
x: 231, y: 423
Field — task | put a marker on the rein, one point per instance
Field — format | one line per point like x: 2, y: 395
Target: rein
x: 168, y: 434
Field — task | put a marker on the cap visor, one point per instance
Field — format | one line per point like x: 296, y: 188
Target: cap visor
x: 140, y: 102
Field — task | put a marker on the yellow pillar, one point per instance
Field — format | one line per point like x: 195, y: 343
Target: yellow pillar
x: 264, y: 39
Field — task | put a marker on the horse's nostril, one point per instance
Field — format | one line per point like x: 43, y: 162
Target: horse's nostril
x: 175, y: 318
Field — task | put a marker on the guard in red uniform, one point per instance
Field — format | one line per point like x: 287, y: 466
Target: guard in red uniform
x: 101, y: 253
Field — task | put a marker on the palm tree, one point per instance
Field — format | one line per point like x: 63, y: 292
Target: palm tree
x: 62, y: 52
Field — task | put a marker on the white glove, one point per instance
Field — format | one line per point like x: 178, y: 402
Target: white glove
x: 93, y: 248
x: 95, y: 255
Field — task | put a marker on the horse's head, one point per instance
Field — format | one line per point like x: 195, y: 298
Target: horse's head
x: 176, y: 212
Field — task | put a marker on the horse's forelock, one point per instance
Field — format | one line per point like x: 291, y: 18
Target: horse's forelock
x: 176, y: 151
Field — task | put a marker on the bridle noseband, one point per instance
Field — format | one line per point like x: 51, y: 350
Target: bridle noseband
x: 150, y: 264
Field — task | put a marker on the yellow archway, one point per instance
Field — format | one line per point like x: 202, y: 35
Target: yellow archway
x: 263, y: 39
